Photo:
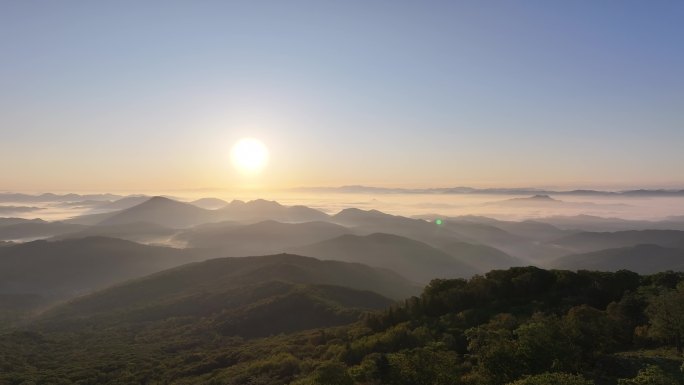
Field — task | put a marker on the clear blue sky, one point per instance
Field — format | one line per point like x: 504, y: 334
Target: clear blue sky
x: 151, y: 94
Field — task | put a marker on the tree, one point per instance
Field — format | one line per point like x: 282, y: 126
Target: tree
x: 553, y: 378
x: 666, y: 316
x: 651, y: 375
x: 332, y: 373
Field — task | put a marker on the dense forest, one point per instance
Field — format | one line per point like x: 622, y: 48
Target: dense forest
x: 521, y: 326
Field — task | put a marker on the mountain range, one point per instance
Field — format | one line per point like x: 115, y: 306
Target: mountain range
x: 494, y: 191
x: 642, y: 259
x: 241, y: 296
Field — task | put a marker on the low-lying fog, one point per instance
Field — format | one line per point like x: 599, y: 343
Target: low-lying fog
x: 508, y: 207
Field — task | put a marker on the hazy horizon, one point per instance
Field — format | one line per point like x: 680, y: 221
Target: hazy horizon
x: 505, y: 206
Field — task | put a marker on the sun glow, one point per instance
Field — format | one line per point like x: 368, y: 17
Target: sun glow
x: 249, y: 156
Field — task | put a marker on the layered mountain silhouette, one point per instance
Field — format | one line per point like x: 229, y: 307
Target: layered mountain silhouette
x: 141, y: 232
x: 366, y: 222
x: 50, y: 197
x: 209, y: 203
x: 123, y: 203
x: 412, y: 259
x: 174, y: 214
x: 643, y: 259
x: 242, y: 296
x: 161, y: 211
x: 545, y: 201
x: 356, y: 189
x: 10, y: 210
x: 63, y: 269
x: 594, y: 223
x: 538, y: 199
x: 483, y: 258
x: 589, y: 241
x: 24, y: 229
x: 261, y: 210
x: 260, y: 238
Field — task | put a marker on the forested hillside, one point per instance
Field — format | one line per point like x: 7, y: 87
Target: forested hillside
x: 518, y: 326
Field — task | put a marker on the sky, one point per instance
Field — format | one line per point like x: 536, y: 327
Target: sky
x: 145, y: 95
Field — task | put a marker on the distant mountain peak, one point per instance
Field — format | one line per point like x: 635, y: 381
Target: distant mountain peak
x: 542, y: 197
x: 160, y: 200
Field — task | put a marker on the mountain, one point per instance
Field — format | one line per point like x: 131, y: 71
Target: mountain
x: 63, y: 269
x: 251, y: 310
x: 260, y: 238
x: 17, y: 229
x: 483, y: 258
x: 49, y: 197
x: 260, y: 210
x: 535, y: 200
x: 412, y: 259
x: 162, y: 211
x: 90, y: 219
x: 123, y: 203
x: 366, y: 222
x: 250, y: 296
x: 545, y: 201
x: 643, y: 259
x: 358, y: 217
x: 10, y: 210
x: 594, y: 223
x: 355, y: 189
x: 528, y: 229
x: 590, y: 241
x: 15, y: 221
x: 518, y: 239
x: 483, y: 233
x: 83, y: 204
x: 209, y: 203
x: 439, y: 235
x: 518, y: 326
x: 140, y: 232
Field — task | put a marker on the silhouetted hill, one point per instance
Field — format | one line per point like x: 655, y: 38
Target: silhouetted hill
x: 13, y: 210
x: 538, y: 199
x: 171, y: 213
x: 162, y: 211
x: 260, y: 210
x: 137, y: 232
x: 449, y: 231
x: 209, y: 203
x: 63, y: 269
x: 108, y: 206
x: 366, y: 222
x: 410, y: 258
x: 355, y: 189
x: 249, y: 296
x: 249, y: 310
x: 483, y: 258
x: 19, y: 229
x: 588, y: 241
x: 261, y: 238
x: 643, y: 259
x: 526, y: 229
x: 16, y: 221
x: 50, y: 197
x: 124, y: 203
x: 358, y: 217
x: 498, y: 328
x: 483, y: 233
x: 594, y: 223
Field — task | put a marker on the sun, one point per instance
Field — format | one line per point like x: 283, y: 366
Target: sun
x: 249, y: 156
